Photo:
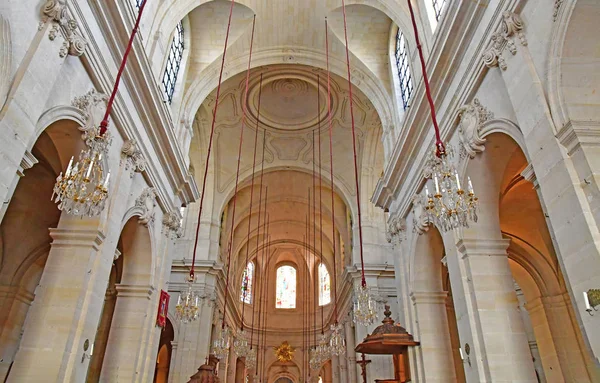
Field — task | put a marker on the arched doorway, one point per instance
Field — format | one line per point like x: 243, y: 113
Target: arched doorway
x: 24, y: 232
x: 163, y: 360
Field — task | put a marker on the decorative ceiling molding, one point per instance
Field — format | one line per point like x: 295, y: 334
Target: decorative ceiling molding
x: 471, y: 118
x: 56, y: 13
x: 512, y: 25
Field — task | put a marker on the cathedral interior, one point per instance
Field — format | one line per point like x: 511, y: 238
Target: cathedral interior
x: 299, y: 191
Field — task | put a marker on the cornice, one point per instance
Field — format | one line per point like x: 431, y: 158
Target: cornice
x: 163, y: 153
x: 402, y: 175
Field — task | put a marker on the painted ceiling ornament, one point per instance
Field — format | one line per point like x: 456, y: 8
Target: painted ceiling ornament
x: 471, y: 118
x: 284, y: 352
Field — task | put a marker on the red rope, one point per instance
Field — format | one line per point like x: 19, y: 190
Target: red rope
x: 335, y: 310
x: 320, y: 207
x: 237, y: 178
x: 258, y: 226
x: 263, y: 281
x: 210, y: 141
x: 111, y: 100
x: 268, y: 248
x: 251, y: 199
x: 440, y: 148
x: 360, y: 240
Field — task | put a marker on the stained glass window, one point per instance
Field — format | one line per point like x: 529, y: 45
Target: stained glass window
x: 438, y: 8
x: 324, y: 286
x: 247, y: 279
x: 173, y: 64
x: 406, y: 85
x: 286, y: 288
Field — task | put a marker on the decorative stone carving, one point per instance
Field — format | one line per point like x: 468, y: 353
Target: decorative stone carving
x: 133, y: 158
x: 27, y: 162
x: 512, y: 25
x: 147, y: 202
x: 172, y: 225
x: 396, y: 231
x: 471, y: 118
x: 557, y: 4
x: 420, y: 220
x: 55, y: 12
x: 92, y: 105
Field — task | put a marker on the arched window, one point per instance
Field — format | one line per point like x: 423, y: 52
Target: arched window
x: 438, y: 8
x: 247, y: 283
x: 324, y: 286
x: 173, y: 63
x: 406, y: 85
x: 285, y: 297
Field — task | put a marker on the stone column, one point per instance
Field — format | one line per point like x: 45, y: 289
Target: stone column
x: 487, y: 312
x: 174, y: 347
x: 67, y: 307
x: 335, y: 369
x: 15, y: 302
x: 434, y: 335
x: 350, y: 353
x: 231, y: 364
x: 126, y: 334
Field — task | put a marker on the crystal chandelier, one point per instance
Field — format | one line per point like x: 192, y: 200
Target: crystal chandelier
x: 251, y: 359
x: 314, y: 361
x: 337, y: 343
x: 240, y: 344
x: 450, y: 206
x: 83, y: 189
x: 221, y: 345
x: 187, y: 304
x: 365, y: 307
x: 322, y: 352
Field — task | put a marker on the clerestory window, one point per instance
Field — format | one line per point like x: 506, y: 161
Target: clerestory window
x: 403, y: 68
x: 173, y: 64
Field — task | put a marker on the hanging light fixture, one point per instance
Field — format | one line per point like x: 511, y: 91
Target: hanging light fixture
x: 337, y: 342
x: 251, y: 359
x: 240, y: 345
x: 450, y: 206
x: 187, y: 303
x: 221, y: 345
x: 83, y: 189
x: 322, y: 352
x: 364, y: 304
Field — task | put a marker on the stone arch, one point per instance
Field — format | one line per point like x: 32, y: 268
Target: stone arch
x: 26, y: 242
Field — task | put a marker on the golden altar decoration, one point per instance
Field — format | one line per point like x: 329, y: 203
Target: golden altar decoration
x: 284, y: 352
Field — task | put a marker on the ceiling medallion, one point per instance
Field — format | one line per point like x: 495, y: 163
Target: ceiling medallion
x: 284, y: 352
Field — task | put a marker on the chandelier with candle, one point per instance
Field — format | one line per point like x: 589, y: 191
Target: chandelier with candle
x: 221, y: 345
x: 187, y: 306
x: 83, y: 189
x: 450, y: 207
x: 337, y: 343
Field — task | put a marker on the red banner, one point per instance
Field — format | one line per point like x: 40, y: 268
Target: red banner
x: 163, y: 308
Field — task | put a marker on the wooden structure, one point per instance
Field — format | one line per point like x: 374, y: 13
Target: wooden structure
x: 390, y: 339
x: 207, y: 373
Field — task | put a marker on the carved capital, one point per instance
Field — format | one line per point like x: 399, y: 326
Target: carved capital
x: 396, y: 231
x: 471, y: 117
x: 92, y: 105
x: 132, y: 157
x: 172, y: 225
x: 56, y: 13
x: 27, y: 162
x: 420, y: 219
x: 512, y: 25
x: 147, y: 202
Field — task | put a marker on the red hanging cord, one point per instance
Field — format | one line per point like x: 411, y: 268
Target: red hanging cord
x: 251, y: 199
x: 111, y: 100
x: 360, y: 240
x: 210, y: 141
x: 335, y: 312
x: 266, y: 318
x: 263, y: 280
x: 320, y: 209
x: 440, y: 148
x: 237, y: 177
x: 258, y: 231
